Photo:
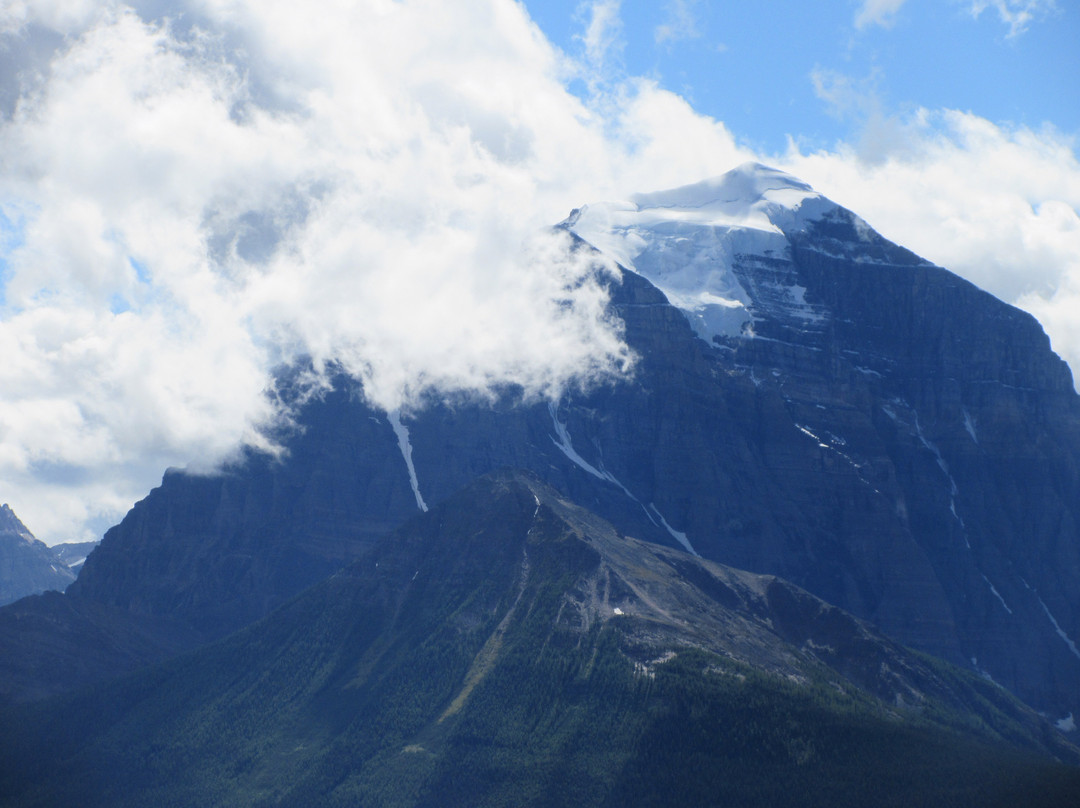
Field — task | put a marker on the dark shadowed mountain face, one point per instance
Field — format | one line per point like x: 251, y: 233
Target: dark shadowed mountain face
x: 510, y: 648
x: 27, y: 566
x: 849, y: 417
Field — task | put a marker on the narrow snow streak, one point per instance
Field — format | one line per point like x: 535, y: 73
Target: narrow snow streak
x: 969, y: 425
x: 997, y: 594
x: 679, y: 536
x: 1058, y: 628
x: 944, y: 466
x: 402, y: 432
x: 835, y: 441
x: 532, y: 523
x: 566, y: 445
x: 981, y: 672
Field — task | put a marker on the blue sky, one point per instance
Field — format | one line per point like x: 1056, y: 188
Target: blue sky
x: 815, y: 72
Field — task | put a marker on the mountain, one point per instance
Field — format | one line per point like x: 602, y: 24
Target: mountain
x: 510, y: 648
x: 818, y: 404
x: 74, y: 554
x: 27, y: 566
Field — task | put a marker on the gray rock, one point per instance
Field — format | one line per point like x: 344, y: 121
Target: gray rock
x: 27, y: 566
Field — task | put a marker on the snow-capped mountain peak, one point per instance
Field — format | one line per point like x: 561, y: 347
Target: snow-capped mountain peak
x: 687, y: 241
x: 739, y: 194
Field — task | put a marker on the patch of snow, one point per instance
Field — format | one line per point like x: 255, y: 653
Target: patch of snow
x: 916, y: 428
x: 969, y: 425
x: 566, y: 445
x: 1057, y: 627
x: 937, y: 456
x: 997, y: 594
x: 1066, y: 724
x: 562, y: 439
x: 981, y: 672
x: 807, y: 312
x: 1060, y: 631
x: 402, y: 432
x: 679, y: 536
x: 864, y: 230
x: 816, y: 439
x: 686, y: 242
x: 833, y: 445
x: 953, y: 489
x: 532, y: 526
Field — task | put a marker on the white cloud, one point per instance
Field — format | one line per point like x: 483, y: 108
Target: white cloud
x: 1017, y: 14
x: 680, y: 22
x: 63, y: 16
x: 169, y: 234
x: 602, y: 38
x: 877, y: 12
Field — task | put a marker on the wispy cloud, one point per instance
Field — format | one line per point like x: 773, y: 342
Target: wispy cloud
x: 1017, y: 14
x: 877, y: 12
x: 602, y: 35
x: 680, y: 22
x: 857, y: 101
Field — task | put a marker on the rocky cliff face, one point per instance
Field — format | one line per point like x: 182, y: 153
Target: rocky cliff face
x: 27, y: 566
x: 847, y: 416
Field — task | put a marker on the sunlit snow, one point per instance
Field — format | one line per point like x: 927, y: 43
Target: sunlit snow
x: 686, y: 241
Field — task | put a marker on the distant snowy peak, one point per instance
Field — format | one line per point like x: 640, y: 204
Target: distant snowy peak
x: 703, y: 244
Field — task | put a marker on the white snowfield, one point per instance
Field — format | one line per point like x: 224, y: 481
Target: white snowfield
x: 686, y: 241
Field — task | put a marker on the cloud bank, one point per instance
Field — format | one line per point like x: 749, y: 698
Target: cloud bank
x: 193, y: 193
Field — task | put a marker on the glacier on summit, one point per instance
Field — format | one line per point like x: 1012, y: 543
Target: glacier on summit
x: 703, y: 245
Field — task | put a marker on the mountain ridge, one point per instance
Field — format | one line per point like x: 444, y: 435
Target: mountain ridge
x: 511, y: 648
